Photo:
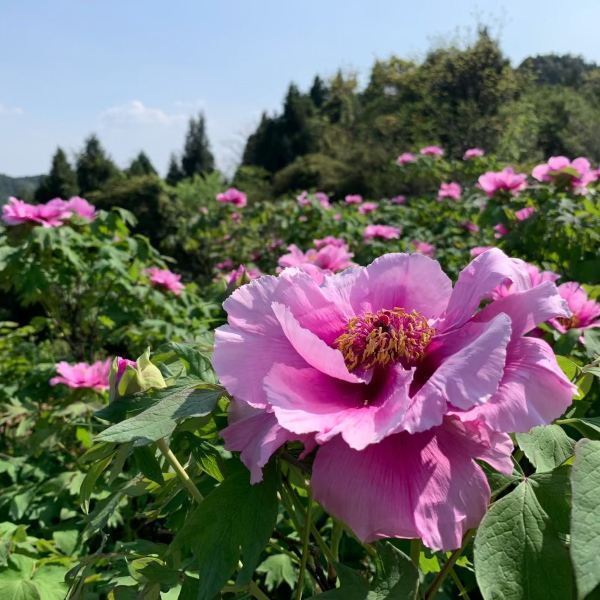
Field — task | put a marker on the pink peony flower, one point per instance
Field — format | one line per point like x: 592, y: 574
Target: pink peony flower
x: 81, y: 207
x: 329, y: 240
x: 400, y: 381
x: 502, y: 181
x: 163, y: 278
x: 385, y: 232
x: 353, y: 199
x: 524, y: 213
x: 337, y: 217
x: 561, y: 171
x: 83, y: 375
x: 536, y: 277
x: 424, y: 248
x: 328, y: 258
x: 473, y: 153
x: 470, y: 226
x: 398, y: 199
x: 239, y: 273
x: 233, y: 196
x: 17, y: 212
x: 432, y: 151
x: 585, y: 313
x: 303, y: 199
x: 224, y: 265
x: 236, y: 217
x: 323, y: 199
x: 477, y: 250
x: 452, y: 191
x: 500, y: 230
x: 405, y: 158
x: 367, y: 207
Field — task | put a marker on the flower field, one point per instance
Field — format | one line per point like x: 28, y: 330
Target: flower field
x: 322, y: 395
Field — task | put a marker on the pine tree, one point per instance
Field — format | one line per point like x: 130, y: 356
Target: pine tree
x: 61, y: 181
x: 94, y: 167
x: 197, y: 157
x: 141, y: 165
x: 174, y: 172
x: 318, y: 92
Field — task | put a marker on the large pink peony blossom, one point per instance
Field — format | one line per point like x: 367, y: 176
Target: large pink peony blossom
x: 562, y: 171
x: 163, y: 278
x: 384, y: 232
x: 83, y: 375
x: 51, y: 214
x: 233, y: 196
x: 432, y: 151
x: 472, y: 153
x: 401, y: 381
x: 585, y: 313
x: 450, y: 191
x: 502, y: 181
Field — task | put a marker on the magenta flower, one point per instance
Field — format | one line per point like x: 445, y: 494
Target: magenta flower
x: 233, y: 196
x: 165, y: 279
x: 81, y: 207
x: 585, y: 313
x: 405, y: 158
x: 17, y: 212
x: 500, y: 230
x: 536, y: 277
x: 83, y: 375
x: 561, y: 171
x: 327, y: 259
x: 367, y: 207
x: 473, y: 153
x: 224, y: 265
x: 398, y: 199
x: 478, y: 250
x: 303, y: 199
x: 401, y: 381
x: 432, y: 151
x: 452, y: 191
x: 238, y: 274
x: 384, y: 232
x: 470, y: 226
x: 502, y: 181
x: 524, y: 213
x: 353, y: 199
x: 329, y: 240
x: 424, y: 248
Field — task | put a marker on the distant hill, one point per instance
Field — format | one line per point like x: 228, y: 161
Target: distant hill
x: 22, y: 187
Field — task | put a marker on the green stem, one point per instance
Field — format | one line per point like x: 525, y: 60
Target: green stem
x: 181, y: 472
x: 305, y: 541
x: 461, y: 588
x: 441, y: 576
x: 336, y: 537
x: 256, y: 591
x: 415, y: 552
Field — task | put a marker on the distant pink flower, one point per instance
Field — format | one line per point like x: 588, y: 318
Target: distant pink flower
x: 473, y: 153
x: 276, y: 244
x: 233, y: 196
x: 337, y: 217
x: 470, y: 226
x: 451, y: 191
x: 398, y: 199
x: 367, y: 207
x: 478, y: 250
x: 500, y: 230
x: 303, y: 199
x: 323, y: 199
x: 585, y: 313
x: 399, y: 382
x: 432, y: 151
x: 560, y: 170
x: 165, y: 279
x: 536, y: 277
x: 385, y: 232
x: 237, y: 274
x: 502, y: 181
x: 225, y: 264
x: 353, y: 199
x: 524, y: 213
x: 236, y: 217
x: 327, y: 259
x: 329, y: 240
x: 405, y: 158
x: 302, y: 218
x: 83, y: 375
x: 424, y: 248
x: 81, y: 207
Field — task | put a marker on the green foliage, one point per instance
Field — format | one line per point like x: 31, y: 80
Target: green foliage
x: 197, y: 157
x: 61, y: 182
x: 141, y: 165
x: 94, y: 167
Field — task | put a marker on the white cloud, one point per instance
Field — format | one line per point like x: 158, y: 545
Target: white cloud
x: 10, y: 110
x: 137, y: 113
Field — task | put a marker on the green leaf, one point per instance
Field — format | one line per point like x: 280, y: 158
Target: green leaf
x: 145, y: 459
x: 588, y: 426
x: 546, y: 447
x: 520, y: 550
x: 278, y: 569
x: 87, y: 486
x: 585, y: 520
x: 234, y: 518
x: 173, y: 404
x: 27, y: 579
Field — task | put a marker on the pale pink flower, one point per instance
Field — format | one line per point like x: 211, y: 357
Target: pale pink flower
x: 536, y: 277
x: 398, y: 381
x: 81, y: 207
x: 303, y: 199
x: 473, y: 153
x: 163, y: 278
x: 224, y: 265
x: 367, y: 207
x: 242, y: 271
x: 329, y: 240
x: 323, y: 199
x: 317, y: 262
x: 432, y: 151
x: 233, y: 196
x: 450, y: 191
x: 353, y: 199
x: 83, y: 375
x: 405, y: 158
x: 17, y: 212
x: 500, y: 230
x: 337, y: 217
x: 424, y: 248
x: 502, y: 181
x: 477, y: 250
x: 562, y: 171
x: 524, y: 213
x: 398, y: 199
x: 585, y: 313
x: 236, y: 217
x: 470, y: 226
x: 385, y: 232
x: 302, y: 218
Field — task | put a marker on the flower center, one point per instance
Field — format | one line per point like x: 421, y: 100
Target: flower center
x: 387, y: 336
x: 569, y: 322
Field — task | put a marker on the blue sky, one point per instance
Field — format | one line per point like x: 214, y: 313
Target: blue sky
x: 134, y: 70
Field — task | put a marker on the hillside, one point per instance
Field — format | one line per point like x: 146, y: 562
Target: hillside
x: 17, y: 186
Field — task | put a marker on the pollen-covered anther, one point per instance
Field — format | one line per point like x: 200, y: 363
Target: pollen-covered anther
x: 384, y: 337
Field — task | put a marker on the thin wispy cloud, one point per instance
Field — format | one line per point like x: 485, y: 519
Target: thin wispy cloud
x: 136, y: 112
x: 10, y: 110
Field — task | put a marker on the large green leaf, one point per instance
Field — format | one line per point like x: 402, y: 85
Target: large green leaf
x: 172, y: 404
x: 546, y: 447
x: 520, y: 550
x: 235, y: 519
x: 26, y: 579
x: 585, y: 519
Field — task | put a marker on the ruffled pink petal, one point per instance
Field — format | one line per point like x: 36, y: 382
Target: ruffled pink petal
x: 305, y: 401
x: 477, y: 281
x: 534, y: 390
x: 425, y: 485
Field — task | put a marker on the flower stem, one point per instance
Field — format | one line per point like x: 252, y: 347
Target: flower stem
x: 181, y: 472
x: 305, y: 541
x: 441, y: 576
x: 336, y: 536
x: 415, y: 552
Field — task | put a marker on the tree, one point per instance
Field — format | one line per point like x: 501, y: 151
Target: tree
x: 197, y: 157
x: 94, y: 167
x: 174, y: 172
x: 141, y: 165
x: 318, y: 92
x: 61, y: 181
